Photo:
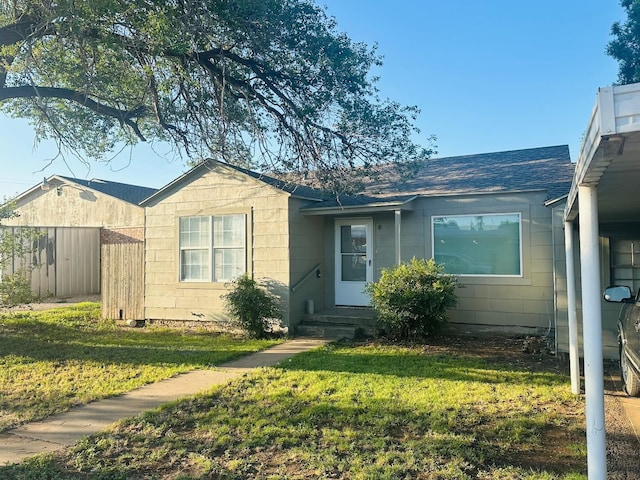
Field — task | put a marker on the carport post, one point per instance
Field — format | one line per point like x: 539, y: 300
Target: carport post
x: 592, y: 332
x: 574, y: 349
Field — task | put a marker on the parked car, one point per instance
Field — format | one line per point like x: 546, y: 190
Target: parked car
x: 628, y: 336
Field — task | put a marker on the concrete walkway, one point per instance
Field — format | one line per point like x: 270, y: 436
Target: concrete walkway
x: 65, y: 429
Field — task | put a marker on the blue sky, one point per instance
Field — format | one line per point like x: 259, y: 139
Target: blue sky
x: 488, y: 76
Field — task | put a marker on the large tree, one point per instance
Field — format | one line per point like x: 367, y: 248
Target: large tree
x: 265, y: 83
x: 625, y: 46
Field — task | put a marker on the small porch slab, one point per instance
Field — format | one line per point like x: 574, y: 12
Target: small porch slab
x: 339, y: 323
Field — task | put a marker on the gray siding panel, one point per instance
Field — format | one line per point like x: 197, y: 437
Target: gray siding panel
x: 77, y: 261
x: 65, y: 261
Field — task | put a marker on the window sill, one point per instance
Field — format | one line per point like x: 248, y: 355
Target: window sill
x: 203, y: 285
x: 480, y: 280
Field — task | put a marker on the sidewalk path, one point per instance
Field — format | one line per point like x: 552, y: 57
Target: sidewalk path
x: 65, y: 429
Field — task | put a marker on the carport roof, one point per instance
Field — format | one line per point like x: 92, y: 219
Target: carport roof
x: 610, y: 156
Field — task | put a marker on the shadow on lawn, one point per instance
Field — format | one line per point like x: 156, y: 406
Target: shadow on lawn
x: 49, y: 341
x: 261, y: 432
x: 413, y: 362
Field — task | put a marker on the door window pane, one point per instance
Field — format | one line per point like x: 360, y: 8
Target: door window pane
x: 353, y: 250
x: 478, y: 244
x: 353, y: 238
x: 354, y: 268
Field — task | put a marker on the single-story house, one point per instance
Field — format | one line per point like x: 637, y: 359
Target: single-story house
x: 495, y: 219
x: 490, y: 218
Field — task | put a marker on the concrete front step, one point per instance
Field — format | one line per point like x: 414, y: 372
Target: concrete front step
x: 340, y: 320
x: 350, y: 316
x: 334, y: 330
x: 338, y: 323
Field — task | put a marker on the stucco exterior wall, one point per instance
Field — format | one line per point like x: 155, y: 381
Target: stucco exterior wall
x: 308, y: 272
x: 218, y: 191
x: 515, y: 304
x: 524, y: 303
x: 75, y: 207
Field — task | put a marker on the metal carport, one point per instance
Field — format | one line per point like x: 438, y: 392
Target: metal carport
x: 605, y: 190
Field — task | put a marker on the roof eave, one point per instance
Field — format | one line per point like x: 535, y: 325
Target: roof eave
x: 553, y: 201
x: 405, y: 205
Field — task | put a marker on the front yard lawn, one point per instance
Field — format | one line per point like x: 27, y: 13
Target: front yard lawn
x: 352, y: 411
x: 51, y: 360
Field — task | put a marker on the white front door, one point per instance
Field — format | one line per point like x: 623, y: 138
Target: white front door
x: 354, y: 261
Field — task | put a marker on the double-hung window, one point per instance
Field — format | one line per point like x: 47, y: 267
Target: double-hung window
x: 487, y: 244
x: 212, y: 248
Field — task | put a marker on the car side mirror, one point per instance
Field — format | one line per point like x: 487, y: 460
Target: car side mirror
x: 618, y: 294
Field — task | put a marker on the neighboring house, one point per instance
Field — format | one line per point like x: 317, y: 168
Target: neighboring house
x: 488, y: 218
x: 85, y: 226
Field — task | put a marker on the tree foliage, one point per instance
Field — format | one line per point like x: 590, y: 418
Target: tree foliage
x: 625, y: 46
x: 15, y: 248
x: 264, y: 83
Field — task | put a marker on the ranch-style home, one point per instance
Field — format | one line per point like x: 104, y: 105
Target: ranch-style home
x: 494, y: 219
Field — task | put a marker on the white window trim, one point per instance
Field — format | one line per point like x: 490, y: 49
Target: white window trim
x: 211, y: 248
x: 485, y: 275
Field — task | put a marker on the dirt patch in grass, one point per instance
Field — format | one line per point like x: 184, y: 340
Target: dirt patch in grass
x: 533, y: 354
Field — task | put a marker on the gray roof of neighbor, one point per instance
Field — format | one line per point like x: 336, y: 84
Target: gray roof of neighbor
x: 129, y: 193
x: 545, y: 169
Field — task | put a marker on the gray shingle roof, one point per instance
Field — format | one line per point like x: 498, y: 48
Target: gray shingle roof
x: 124, y: 191
x: 542, y: 169
x: 545, y: 168
x: 204, y: 166
x: 295, y: 189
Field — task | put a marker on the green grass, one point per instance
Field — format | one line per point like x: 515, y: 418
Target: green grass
x: 352, y: 412
x: 51, y: 360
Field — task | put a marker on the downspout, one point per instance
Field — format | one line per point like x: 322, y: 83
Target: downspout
x: 397, y: 226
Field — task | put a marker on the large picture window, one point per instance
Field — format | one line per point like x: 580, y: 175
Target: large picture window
x: 212, y: 248
x: 487, y: 244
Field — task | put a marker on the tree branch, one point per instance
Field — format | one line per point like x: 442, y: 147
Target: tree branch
x: 125, y: 117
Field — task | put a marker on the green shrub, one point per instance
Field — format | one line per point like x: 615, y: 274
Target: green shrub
x: 15, y: 289
x: 252, y: 308
x: 411, y: 299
